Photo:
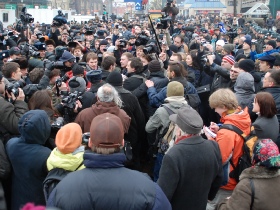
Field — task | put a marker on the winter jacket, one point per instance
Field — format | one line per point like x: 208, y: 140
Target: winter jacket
x: 244, y: 89
x: 157, y: 98
x: 221, y: 77
x: 69, y: 162
x: 267, y: 128
x: 160, y: 81
x: 191, y: 173
x: 10, y: 115
x: 85, y: 117
x: 29, y: 171
x: 132, y: 108
x: 275, y: 92
x: 266, y: 193
x: 106, y: 184
x: 231, y: 143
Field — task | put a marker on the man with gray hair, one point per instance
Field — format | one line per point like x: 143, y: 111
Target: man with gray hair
x: 108, y: 101
x: 191, y: 171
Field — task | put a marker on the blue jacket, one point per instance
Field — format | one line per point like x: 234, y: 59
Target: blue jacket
x: 106, y: 184
x: 157, y: 98
x: 28, y: 157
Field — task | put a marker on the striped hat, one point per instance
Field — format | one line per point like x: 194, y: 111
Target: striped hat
x: 230, y: 59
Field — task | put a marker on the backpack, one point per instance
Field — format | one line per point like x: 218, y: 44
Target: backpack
x: 163, y: 138
x: 192, y: 98
x: 244, y: 161
x: 53, y: 178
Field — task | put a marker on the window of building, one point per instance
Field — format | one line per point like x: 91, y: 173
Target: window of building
x: 5, y: 17
x: 231, y: 3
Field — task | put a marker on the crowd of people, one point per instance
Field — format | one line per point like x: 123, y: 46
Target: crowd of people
x: 86, y: 108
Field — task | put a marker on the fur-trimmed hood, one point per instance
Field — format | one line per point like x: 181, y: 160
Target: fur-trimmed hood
x: 259, y: 172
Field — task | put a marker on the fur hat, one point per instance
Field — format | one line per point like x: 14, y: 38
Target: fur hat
x: 94, y: 75
x: 77, y: 84
x: 69, y: 138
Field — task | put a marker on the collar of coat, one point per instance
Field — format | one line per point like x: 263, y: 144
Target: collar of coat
x: 259, y: 172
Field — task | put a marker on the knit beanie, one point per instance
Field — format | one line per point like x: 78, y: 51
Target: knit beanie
x: 220, y: 42
x: 77, y: 70
x: 239, y: 57
x: 228, y: 48
x: 175, y: 89
x: 154, y: 66
x: 272, y: 43
x: 247, y: 65
x: 173, y: 48
x: 68, y: 138
x: 248, y: 41
x: 77, y: 84
x: 229, y: 59
x: 115, y: 79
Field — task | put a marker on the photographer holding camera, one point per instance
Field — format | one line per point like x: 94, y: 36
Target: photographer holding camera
x: 10, y: 112
x: 171, y: 10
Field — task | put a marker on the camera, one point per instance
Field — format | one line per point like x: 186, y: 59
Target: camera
x: 40, y: 37
x: 14, y: 87
x: 85, y: 138
x: 142, y: 39
x: 59, y: 81
x: 58, y: 123
x: 59, y: 19
x: 9, y: 33
x: 30, y: 50
x: 26, y: 17
x: 123, y: 43
x: 70, y: 100
x: 164, y: 21
x: 150, y: 48
x: 53, y: 65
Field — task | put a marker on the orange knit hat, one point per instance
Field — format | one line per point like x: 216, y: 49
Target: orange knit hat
x: 69, y: 138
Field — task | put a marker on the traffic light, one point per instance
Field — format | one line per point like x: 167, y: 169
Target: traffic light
x: 104, y: 9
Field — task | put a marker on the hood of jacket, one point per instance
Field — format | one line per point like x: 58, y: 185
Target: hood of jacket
x: 244, y: 84
x: 69, y: 162
x: 34, y: 127
x: 158, y: 74
x: 103, y: 107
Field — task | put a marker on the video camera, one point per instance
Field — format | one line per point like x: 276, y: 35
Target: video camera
x: 142, y: 39
x: 164, y: 21
x: 14, y: 87
x: 169, y: 2
x: 50, y: 65
x: 150, y: 48
x: 40, y: 37
x: 59, y: 81
x: 69, y: 101
x: 26, y: 17
x: 58, y: 123
x: 59, y: 19
x: 123, y: 43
